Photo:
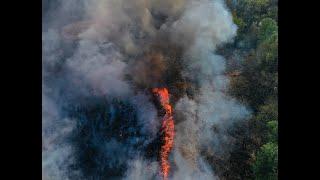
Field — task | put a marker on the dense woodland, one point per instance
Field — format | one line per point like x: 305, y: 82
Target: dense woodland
x: 256, y: 85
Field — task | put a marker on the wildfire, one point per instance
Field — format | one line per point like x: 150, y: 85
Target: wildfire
x: 167, y: 128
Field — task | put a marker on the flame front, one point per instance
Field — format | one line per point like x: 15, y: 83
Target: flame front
x: 167, y: 128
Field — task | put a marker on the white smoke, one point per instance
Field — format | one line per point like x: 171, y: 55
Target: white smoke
x: 187, y: 172
x: 93, y: 50
x: 56, y: 152
x: 100, y: 68
x: 142, y: 169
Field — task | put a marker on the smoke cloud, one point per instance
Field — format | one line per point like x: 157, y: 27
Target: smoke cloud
x: 100, y: 59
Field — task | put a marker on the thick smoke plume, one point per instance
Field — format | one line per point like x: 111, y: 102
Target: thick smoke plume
x: 101, y: 58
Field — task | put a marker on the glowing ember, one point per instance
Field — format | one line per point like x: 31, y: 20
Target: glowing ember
x: 167, y: 128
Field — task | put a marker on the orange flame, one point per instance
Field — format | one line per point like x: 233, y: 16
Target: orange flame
x: 168, y: 129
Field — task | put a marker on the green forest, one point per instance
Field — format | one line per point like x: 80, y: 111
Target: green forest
x: 255, y: 84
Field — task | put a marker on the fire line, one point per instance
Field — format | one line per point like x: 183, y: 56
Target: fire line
x: 167, y: 128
